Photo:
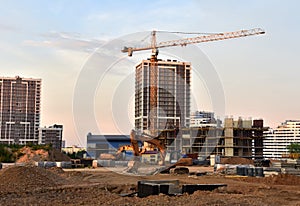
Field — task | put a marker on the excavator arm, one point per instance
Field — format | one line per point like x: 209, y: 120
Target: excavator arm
x: 146, y: 138
x: 134, y: 143
x: 160, y: 146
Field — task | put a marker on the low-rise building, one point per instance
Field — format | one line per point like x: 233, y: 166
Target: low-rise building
x: 106, y: 144
x: 72, y: 149
x: 51, y: 135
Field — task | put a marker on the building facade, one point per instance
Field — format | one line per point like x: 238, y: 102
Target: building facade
x: 172, y: 95
x: 106, y: 144
x: 51, y: 135
x: 277, y: 140
x: 204, y: 119
x: 241, y: 137
x: 19, y: 110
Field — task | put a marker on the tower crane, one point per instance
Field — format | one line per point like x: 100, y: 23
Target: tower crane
x: 194, y: 40
x: 154, y: 46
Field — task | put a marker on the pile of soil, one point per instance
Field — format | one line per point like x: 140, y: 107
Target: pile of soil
x: 237, y: 161
x: 25, y: 178
x: 281, y: 179
x: 30, y: 155
x: 56, y: 155
x: 56, y: 170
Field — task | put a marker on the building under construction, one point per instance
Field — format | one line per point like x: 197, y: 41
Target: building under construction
x: 169, y: 103
x: 162, y: 106
x: 242, y: 138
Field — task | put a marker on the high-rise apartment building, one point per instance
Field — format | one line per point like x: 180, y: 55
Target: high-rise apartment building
x: 172, y: 95
x: 277, y: 140
x: 19, y: 110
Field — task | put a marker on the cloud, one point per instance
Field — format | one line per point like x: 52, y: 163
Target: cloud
x: 66, y: 41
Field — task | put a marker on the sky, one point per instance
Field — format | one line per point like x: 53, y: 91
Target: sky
x: 60, y: 41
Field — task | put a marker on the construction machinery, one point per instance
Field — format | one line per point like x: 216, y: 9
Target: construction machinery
x: 134, y: 139
x: 119, y: 155
x: 153, y: 87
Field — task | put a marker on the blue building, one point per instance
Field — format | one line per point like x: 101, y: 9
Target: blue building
x: 99, y: 144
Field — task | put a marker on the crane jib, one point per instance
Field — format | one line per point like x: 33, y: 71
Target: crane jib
x: 194, y: 40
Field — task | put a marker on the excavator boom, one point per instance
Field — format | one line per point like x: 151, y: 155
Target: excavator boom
x: 146, y: 138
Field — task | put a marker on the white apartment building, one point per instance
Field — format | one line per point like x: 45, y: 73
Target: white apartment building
x: 277, y: 140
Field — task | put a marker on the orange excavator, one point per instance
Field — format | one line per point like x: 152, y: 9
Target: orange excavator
x: 133, y: 165
x: 134, y: 139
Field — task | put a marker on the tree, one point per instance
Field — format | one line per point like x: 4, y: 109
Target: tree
x: 294, y: 148
x: 76, y: 155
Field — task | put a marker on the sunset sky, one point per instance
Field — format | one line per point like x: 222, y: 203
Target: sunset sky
x: 60, y: 41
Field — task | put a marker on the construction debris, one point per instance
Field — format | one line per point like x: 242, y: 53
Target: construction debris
x: 155, y: 187
x: 171, y: 187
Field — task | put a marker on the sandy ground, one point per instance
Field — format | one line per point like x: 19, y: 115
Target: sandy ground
x: 37, y: 186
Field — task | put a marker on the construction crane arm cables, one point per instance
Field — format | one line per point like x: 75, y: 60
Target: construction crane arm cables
x: 183, y: 42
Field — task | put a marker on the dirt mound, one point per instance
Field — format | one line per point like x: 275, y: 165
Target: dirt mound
x: 30, y: 155
x: 56, y: 170
x: 236, y: 161
x: 25, y: 178
x: 57, y: 156
x: 281, y: 179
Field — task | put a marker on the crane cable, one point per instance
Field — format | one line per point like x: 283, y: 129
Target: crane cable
x: 180, y: 32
